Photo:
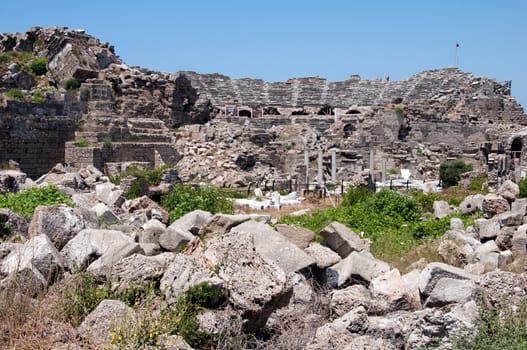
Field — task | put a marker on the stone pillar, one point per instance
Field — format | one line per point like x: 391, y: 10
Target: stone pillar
x: 306, y: 163
x: 320, y: 173
x: 372, y: 166
x: 333, y: 164
x: 384, y: 171
x: 337, y: 115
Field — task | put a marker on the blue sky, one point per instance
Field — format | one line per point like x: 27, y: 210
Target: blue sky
x: 280, y: 39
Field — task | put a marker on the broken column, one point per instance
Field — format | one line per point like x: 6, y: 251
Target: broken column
x: 320, y: 178
x: 333, y: 164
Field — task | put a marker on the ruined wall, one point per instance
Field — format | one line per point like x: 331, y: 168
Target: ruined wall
x: 35, y: 142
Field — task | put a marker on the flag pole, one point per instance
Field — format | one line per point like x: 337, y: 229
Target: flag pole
x: 456, y: 59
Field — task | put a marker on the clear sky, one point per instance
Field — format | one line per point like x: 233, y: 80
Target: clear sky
x: 279, y: 39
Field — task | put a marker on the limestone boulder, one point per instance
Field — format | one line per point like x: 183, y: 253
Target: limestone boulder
x: 510, y: 218
x: 390, y: 287
x: 12, y: 224
x: 299, y: 236
x: 519, y: 206
x: 346, y: 299
x: 457, y: 224
x: 59, y: 222
x: 504, y: 239
x: 452, y: 290
x: 192, y: 222
x: 494, y: 204
x: 175, y: 239
x: 256, y: 284
x: 109, y: 194
x: 90, y: 244
x: 356, y: 265
x: 138, y: 269
x: 509, y: 190
x: 323, y: 256
x: 471, y: 204
x: 442, y: 209
x: 272, y: 245
x: 488, y: 229
x: 37, y: 262
x: 97, y: 327
x: 105, y: 263
x: 221, y: 223
x: 12, y: 181
x: 343, y: 240
x: 184, y: 272
x: 104, y: 214
x: 146, y: 205
x: 434, y: 272
x: 452, y: 253
x: 151, y: 231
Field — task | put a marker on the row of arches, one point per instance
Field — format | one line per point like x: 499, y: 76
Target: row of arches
x: 250, y: 112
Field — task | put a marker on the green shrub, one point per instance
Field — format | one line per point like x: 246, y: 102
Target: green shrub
x: 143, y: 178
x: 500, y: 327
x: 523, y: 188
x: 355, y: 195
x: 107, y: 141
x: 38, y: 67
x: 38, y: 97
x: 82, y: 143
x: 399, y: 110
x: 145, y: 330
x: 72, y: 85
x: 15, y: 93
x: 4, y: 58
x: 25, y: 202
x: 451, y: 170
x: 480, y: 184
x: 185, y: 198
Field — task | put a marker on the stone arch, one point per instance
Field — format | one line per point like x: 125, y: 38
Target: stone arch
x: 516, y: 147
x: 326, y: 110
x: 353, y: 111
x: 271, y: 111
x: 245, y: 113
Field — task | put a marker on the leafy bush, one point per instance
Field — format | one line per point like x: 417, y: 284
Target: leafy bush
x: 399, y: 110
x: 355, y: 195
x: 107, y: 141
x: 523, y: 188
x: 480, y: 184
x: 145, y: 330
x: 25, y: 202
x: 82, y: 143
x: 15, y: 93
x: 38, y: 97
x: 185, y: 198
x: 451, y: 170
x: 501, y: 328
x: 38, y: 67
x: 72, y: 85
x: 143, y: 178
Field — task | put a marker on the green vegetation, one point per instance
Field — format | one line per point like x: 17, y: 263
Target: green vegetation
x: 392, y: 171
x: 399, y: 110
x: 146, y: 330
x: 451, y: 170
x: 25, y: 202
x: 82, y: 143
x: 15, y: 93
x: 391, y: 220
x: 72, y: 85
x: 38, y: 97
x: 523, y: 188
x: 480, y: 184
x: 501, y: 328
x: 38, y: 67
x: 107, y: 141
x: 185, y: 198
x: 143, y: 178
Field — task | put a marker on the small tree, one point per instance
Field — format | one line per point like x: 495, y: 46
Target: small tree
x: 451, y: 170
x: 38, y: 67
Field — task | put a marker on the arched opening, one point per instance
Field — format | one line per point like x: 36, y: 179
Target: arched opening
x: 353, y: 111
x: 326, y: 110
x: 245, y: 113
x: 516, y: 148
x: 302, y: 112
x: 348, y: 130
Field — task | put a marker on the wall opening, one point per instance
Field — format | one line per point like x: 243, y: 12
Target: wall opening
x: 326, y: 110
x: 516, y: 148
x: 245, y: 113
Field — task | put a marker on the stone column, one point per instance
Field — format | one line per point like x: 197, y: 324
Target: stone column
x: 372, y: 160
x: 384, y: 171
x: 306, y: 163
x: 320, y: 173
x: 333, y: 164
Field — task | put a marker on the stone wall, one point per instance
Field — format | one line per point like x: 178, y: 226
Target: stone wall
x: 35, y: 142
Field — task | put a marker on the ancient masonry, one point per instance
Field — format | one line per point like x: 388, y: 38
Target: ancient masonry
x: 125, y: 114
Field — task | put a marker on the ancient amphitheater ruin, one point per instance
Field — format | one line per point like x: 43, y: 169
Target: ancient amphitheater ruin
x: 235, y: 131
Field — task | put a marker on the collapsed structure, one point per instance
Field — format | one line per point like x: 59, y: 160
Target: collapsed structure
x: 236, y: 131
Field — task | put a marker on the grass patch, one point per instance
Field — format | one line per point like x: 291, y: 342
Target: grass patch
x: 83, y: 143
x: 25, y: 202
x: 38, y: 97
x: 501, y: 327
x: 186, y: 198
x: 15, y: 93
